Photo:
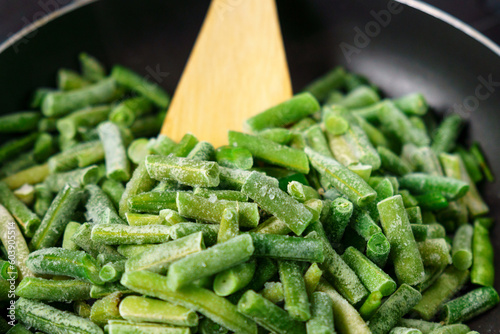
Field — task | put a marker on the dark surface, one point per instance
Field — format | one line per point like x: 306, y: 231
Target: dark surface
x: 415, y: 52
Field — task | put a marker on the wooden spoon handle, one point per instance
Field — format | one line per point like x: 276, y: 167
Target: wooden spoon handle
x: 237, y: 68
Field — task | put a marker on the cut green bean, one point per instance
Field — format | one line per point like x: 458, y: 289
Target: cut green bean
x: 434, y: 252
x: 412, y: 104
x: 404, y: 250
x: 287, y: 112
x: 112, y: 271
x: 202, y: 151
x: 118, y: 234
x: 27, y: 220
x: 53, y: 290
x: 278, y: 135
x: 470, y: 305
x: 114, y: 189
x: 378, y: 249
x: 301, y: 192
x: 462, y: 247
x: 136, y: 83
x: 8, y: 270
x: 138, y: 219
x: 212, y: 210
x: 321, y: 321
x: 82, y: 237
x: 81, y: 155
x: 100, y: 291
x: 419, y: 183
x: 445, y: 287
x: 77, y: 178
x: 372, y: 277
x: 59, y: 261
x: 51, y: 320
x: 69, y: 231
x: 483, y: 269
x: 182, y: 229
x: 394, y: 308
x: 476, y: 151
x: 56, y: 218
x: 24, y: 121
x: 268, y: 315
x: 312, y: 277
x: 143, y: 309
x: 348, y: 183
x: 153, y: 202
x: 371, y: 305
x: 159, y: 257
x: 117, y: 163
x: 392, y: 163
x: 30, y: 175
x: 69, y: 126
x: 106, y: 309
x: 129, y: 110
x: 187, y: 171
x: 337, y: 219
x: 229, y: 225
x: 12, y: 148
x: 228, y: 195
x: 233, y: 279
x: 140, y: 182
x: 185, y: 146
x: 197, y: 299
x: 206, y: 262
x: 347, y: 319
x: 235, y: 178
x: 315, y: 138
x: 273, y: 291
x: 287, y: 248
x: 446, y: 135
x: 321, y: 87
x: 296, y: 298
x: 171, y: 217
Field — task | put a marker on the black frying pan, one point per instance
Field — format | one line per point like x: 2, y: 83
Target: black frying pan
x: 420, y: 49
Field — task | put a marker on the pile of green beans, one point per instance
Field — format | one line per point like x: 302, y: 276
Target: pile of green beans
x: 336, y: 212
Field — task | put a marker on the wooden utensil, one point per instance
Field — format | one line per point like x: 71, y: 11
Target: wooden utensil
x: 237, y: 68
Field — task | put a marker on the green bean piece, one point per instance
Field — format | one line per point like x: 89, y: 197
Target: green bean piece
x: 207, y: 262
x: 273, y: 200
x: 138, y: 150
x: 424, y: 326
x: 159, y: 257
x: 233, y: 279
x: 153, y: 202
x: 312, y: 277
x: 268, y: 315
x: 12, y: 148
x: 112, y: 271
x: 378, y: 249
x: 408, y: 199
x: 301, y: 192
x: 19, y: 122
x: 477, y: 152
x: 81, y: 155
x: 483, y: 269
x: 470, y: 305
x: 419, y: 183
x: 285, y: 247
x: 77, y: 178
x: 171, y: 217
x: 414, y: 215
x: 278, y: 135
x: 136, y: 83
x: 265, y: 270
x: 44, y: 147
x: 88, y: 117
x: 270, y: 151
x: 336, y: 271
x: 114, y: 190
x: 8, y: 270
x: 273, y: 291
x: 9, y: 232
x: 321, y: 87
x: 334, y: 123
x: 434, y: 252
x: 452, y: 329
x: 82, y: 237
x: 69, y: 231
x: 359, y: 97
x: 138, y: 219
x: 229, y: 226
x: 202, y: 151
x: 338, y: 219
x: 294, y: 288
x: 447, y: 133
x: 129, y: 110
x: 404, y: 250
x: 186, y: 171
x: 143, y: 309
x: 56, y: 218
x: 285, y: 113
x: 393, y: 163
x: 106, y: 309
x: 445, y: 287
x: 182, y: 229
x: 99, y: 207
x: 27, y: 220
x: 61, y: 103
x: 315, y: 139
x: 394, y: 308
x: 30, y: 175
x: 364, y: 225
x: 432, y: 201
x: 412, y: 104
x: 139, y: 182
x: 486, y: 222
x: 100, y: 291
x: 462, y: 247
x: 398, y: 124
x: 371, y: 305
x: 185, y: 146
x: 92, y: 69
x: 197, y: 299
x: 118, y: 234
x: 364, y: 171
x: 117, y: 163
x: 321, y: 321
x: 60, y: 261
x: 228, y: 195
x: 345, y: 181
x: 212, y: 210
x: 472, y: 199
x: 347, y: 319
x: 51, y: 320
x: 235, y: 178
x: 53, y: 290
x: 471, y: 164
x: 162, y: 145
x: 372, y: 277
x: 420, y: 231
x: 25, y: 194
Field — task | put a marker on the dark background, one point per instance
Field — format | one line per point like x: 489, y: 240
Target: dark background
x: 484, y: 15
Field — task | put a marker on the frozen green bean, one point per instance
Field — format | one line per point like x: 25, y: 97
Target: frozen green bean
x: 462, y: 247
x: 233, y: 279
x: 483, y: 269
x: 371, y: 305
x: 106, y: 309
x: 27, y: 219
x: 53, y: 290
x: 294, y: 288
x: 285, y: 247
x: 118, y: 234
x: 469, y: 305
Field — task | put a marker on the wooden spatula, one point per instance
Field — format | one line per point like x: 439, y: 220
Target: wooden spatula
x: 237, y: 68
